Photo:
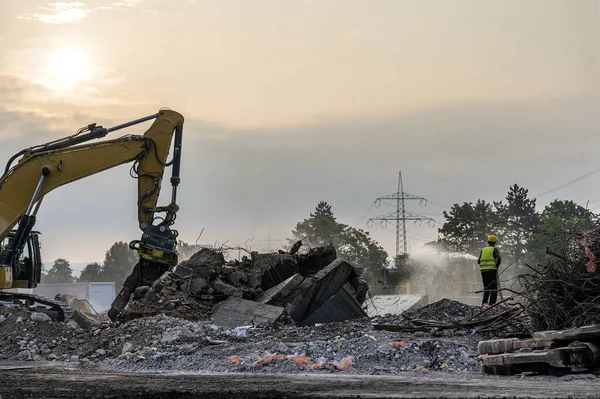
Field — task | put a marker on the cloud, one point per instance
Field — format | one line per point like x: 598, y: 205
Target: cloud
x: 72, y: 12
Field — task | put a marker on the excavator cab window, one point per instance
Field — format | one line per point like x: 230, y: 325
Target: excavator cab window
x: 29, y: 261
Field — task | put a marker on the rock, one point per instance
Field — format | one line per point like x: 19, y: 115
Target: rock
x: 100, y: 352
x: 128, y: 347
x: 86, y: 321
x: 24, y: 355
x: 19, y: 320
x: 52, y: 356
x: 2, y: 318
x: 206, y: 263
x: 316, y: 259
x: 140, y: 292
x: 268, y: 270
x: 360, y: 286
x: 74, y: 359
x: 227, y: 289
x: 194, y: 286
x: 72, y: 324
x: 169, y: 337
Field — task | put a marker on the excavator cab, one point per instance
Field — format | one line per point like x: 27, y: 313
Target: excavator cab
x: 28, y: 271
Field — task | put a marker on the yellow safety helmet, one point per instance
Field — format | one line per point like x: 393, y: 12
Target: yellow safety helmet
x: 492, y: 238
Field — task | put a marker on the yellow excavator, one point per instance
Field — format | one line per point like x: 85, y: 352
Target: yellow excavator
x: 33, y: 172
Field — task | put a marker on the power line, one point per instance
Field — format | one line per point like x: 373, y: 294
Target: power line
x: 570, y: 182
x: 523, y: 163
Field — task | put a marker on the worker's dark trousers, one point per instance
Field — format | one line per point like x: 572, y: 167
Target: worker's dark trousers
x: 489, y: 283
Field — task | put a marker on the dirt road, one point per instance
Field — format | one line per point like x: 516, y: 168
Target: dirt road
x: 54, y: 382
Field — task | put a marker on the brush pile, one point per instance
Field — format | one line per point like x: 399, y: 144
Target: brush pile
x: 564, y: 291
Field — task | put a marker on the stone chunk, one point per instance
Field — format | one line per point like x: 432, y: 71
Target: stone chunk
x: 237, y: 312
x: 227, y: 289
x: 279, y: 295
x: 206, y: 263
x: 268, y: 270
x: 313, y: 292
x: 194, y: 286
x: 316, y: 259
x: 340, y: 307
x: 141, y: 291
x: 86, y: 321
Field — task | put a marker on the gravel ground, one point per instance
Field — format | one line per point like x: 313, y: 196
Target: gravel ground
x: 168, y: 343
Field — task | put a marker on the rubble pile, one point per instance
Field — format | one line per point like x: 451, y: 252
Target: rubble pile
x: 448, y: 317
x: 163, y: 342
x: 28, y: 335
x: 301, y: 289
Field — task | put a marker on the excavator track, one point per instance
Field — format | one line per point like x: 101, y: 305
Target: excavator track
x: 62, y: 310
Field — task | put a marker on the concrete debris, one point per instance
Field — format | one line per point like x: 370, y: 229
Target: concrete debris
x: 381, y: 305
x: 85, y: 320
x: 342, y: 306
x: 160, y: 342
x: 316, y: 259
x: 277, y: 295
x: 236, y: 312
x: 313, y: 292
x: 300, y: 283
x: 40, y: 317
x: 268, y: 270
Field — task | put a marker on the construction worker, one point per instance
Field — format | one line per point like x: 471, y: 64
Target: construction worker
x: 489, y: 261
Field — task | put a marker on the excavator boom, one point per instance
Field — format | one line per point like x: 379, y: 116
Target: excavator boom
x: 42, y: 169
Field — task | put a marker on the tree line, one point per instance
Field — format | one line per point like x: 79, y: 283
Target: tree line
x: 521, y: 230
x: 118, y: 263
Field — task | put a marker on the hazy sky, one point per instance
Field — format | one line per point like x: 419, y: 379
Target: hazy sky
x: 292, y: 102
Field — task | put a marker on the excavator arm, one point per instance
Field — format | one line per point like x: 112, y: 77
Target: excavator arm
x: 44, y: 168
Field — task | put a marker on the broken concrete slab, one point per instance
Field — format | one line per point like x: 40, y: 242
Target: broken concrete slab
x: 237, y: 312
x: 340, y: 307
x: 194, y: 286
x: 380, y: 305
x: 85, y: 320
x: 227, y: 289
x: 315, y: 260
x: 206, y: 263
x: 313, y: 292
x: 360, y: 287
x: 268, y: 270
x: 279, y: 295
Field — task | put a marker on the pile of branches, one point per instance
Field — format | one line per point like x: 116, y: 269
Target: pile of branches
x: 564, y: 291
x: 500, y: 319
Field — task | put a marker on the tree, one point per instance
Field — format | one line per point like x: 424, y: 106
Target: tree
x: 466, y: 226
x: 321, y: 227
x: 60, y: 272
x: 353, y: 245
x: 521, y: 219
x: 118, y: 263
x: 559, y: 220
x: 92, y: 272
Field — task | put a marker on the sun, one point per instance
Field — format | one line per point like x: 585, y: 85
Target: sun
x: 67, y: 68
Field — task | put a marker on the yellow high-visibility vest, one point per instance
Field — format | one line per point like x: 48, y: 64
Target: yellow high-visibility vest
x: 487, y: 261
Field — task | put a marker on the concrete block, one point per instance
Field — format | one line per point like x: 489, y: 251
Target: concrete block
x: 315, y: 260
x: 237, y: 312
x: 313, y: 292
x: 268, y: 270
x: 339, y: 307
x: 380, y: 305
x: 279, y: 295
